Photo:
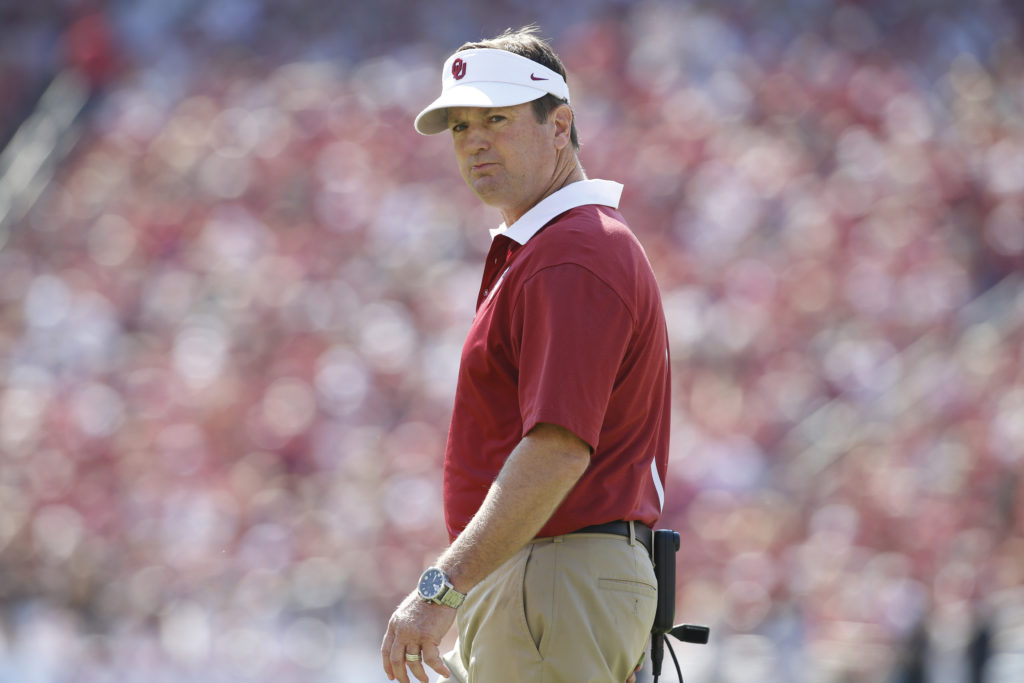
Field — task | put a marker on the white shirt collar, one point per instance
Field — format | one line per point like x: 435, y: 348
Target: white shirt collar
x: 580, y: 193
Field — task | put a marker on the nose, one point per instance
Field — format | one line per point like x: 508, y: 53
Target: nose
x: 476, y: 138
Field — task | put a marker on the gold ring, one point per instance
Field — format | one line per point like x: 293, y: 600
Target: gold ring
x: 412, y: 658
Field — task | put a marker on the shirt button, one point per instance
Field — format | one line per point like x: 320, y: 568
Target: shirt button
x: 486, y: 291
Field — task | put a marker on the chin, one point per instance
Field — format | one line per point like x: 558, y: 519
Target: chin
x: 486, y: 189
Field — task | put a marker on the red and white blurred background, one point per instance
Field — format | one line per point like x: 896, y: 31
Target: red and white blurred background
x: 234, y: 283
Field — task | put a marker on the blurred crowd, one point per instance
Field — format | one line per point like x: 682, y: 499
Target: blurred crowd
x: 229, y: 329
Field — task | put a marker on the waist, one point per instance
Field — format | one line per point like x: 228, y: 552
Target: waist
x: 629, y: 530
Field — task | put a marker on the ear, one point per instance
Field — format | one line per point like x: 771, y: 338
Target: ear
x: 562, y: 118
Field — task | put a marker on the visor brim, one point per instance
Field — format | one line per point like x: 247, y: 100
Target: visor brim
x: 434, y: 118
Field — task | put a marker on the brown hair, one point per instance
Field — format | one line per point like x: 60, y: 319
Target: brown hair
x: 526, y: 43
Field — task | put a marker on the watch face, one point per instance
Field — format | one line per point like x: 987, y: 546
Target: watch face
x: 431, y: 583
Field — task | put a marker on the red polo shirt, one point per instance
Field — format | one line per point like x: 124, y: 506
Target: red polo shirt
x: 569, y: 330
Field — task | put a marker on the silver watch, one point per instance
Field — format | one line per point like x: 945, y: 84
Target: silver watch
x: 436, y: 587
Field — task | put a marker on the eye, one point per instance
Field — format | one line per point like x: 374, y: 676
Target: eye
x: 458, y: 127
x: 495, y: 118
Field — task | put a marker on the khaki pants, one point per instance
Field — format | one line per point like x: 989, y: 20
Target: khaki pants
x: 568, y: 609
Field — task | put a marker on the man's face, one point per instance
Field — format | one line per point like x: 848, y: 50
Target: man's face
x: 505, y: 156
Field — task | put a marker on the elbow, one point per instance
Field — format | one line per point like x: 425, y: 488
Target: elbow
x: 576, y: 462
x: 571, y: 454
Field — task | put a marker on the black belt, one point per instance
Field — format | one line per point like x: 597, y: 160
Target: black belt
x: 641, y: 531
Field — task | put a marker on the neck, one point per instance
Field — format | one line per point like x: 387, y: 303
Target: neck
x: 568, y: 170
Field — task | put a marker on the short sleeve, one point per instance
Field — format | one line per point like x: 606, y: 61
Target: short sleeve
x: 573, y: 332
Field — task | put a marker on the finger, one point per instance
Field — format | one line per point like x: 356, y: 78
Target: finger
x: 432, y: 658
x: 397, y: 659
x: 385, y: 650
x: 417, y: 670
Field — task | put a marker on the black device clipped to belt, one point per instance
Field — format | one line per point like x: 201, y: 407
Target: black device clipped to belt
x: 666, y: 545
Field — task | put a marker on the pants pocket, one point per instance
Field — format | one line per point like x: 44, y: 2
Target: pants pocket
x: 629, y: 586
x: 536, y: 601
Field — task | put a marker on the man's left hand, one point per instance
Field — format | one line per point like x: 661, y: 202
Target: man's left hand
x: 416, y: 627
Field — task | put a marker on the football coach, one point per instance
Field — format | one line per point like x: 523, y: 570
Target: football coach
x: 558, y: 445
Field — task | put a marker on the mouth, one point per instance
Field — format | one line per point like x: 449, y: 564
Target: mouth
x: 476, y: 168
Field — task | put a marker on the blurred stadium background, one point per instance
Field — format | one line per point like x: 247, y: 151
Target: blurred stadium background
x: 234, y: 283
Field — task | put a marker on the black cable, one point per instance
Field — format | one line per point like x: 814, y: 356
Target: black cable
x: 679, y: 672
x: 675, y: 660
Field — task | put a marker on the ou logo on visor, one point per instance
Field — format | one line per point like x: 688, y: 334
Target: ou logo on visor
x: 458, y: 69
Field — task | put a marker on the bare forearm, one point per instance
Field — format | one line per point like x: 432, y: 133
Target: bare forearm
x: 538, y: 474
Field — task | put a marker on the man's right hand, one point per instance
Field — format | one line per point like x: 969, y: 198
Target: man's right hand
x: 416, y: 627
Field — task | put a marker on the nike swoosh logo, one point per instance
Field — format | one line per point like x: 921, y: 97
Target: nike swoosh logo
x: 537, y: 78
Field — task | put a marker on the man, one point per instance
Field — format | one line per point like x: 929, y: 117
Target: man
x: 558, y: 444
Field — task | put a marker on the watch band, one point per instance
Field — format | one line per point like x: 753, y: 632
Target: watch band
x: 452, y: 598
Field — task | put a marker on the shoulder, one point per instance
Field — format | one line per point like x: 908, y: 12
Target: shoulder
x: 591, y: 223
x: 592, y: 235
x: 592, y: 239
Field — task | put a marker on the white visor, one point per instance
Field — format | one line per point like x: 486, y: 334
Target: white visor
x: 488, y: 78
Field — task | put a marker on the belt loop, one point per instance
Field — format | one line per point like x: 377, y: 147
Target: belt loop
x: 632, y: 532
